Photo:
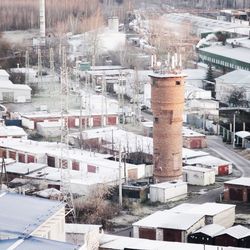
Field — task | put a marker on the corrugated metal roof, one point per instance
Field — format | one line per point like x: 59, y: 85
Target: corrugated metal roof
x: 211, y: 230
x: 32, y: 243
x: 21, y: 214
x: 236, y: 232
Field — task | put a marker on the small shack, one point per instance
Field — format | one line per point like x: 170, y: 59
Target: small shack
x: 193, y: 139
x: 198, y: 175
x: 168, y: 191
x: 205, y: 234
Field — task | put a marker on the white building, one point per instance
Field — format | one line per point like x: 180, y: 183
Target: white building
x: 168, y: 191
x: 230, y: 82
x: 9, y: 92
x: 49, y: 129
x: 198, y: 176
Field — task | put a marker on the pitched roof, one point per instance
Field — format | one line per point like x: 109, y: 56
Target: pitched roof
x: 236, y: 232
x: 211, y: 230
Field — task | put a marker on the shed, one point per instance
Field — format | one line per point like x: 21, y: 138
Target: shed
x: 168, y: 191
x: 168, y: 226
x: 205, y: 234
x: 198, y: 175
x: 221, y: 167
x: 231, y: 236
x: 237, y: 190
x: 193, y: 139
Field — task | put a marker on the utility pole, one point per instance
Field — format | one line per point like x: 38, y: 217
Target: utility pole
x: 52, y: 70
x: 120, y: 176
x: 39, y: 66
x: 27, y: 66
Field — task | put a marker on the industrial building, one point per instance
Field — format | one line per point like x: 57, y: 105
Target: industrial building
x: 167, y: 100
x: 231, y: 56
x: 237, y: 190
x: 13, y: 93
x: 228, y: 83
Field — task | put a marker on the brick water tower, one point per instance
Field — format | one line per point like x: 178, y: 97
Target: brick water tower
x: 167, y: 102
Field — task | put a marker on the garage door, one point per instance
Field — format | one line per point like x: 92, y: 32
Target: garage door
x: 8, y: 96
x: 235, y: 194
x: 146, y: 233
x: 172, y: 235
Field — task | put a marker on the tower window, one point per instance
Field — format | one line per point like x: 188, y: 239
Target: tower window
x: 156, y: 119
x: 177, y: 83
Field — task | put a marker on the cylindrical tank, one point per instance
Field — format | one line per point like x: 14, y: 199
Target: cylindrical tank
x: 167, y: 102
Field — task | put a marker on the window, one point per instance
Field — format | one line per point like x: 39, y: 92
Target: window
x: 91, y: 169
x: 177, y: 83
x: 156, y: 119
x: 75, y: 166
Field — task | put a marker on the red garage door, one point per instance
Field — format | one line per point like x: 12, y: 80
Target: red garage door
x: 12, y: 155
x: 146, y: 233
x: 195, y: 143
x: 111, y: 120
x: 223, y: 170
x: 97, y: 121
x: 21, y: 158
x: 31, y: 159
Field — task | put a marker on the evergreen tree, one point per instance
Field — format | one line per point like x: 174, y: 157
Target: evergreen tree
x: 210, y: 74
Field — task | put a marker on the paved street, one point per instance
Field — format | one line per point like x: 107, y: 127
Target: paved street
x: 215, y: 144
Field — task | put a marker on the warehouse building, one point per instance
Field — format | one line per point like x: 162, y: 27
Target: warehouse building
x: 237, y: 190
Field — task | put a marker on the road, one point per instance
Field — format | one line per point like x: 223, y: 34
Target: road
x: 215, y: 144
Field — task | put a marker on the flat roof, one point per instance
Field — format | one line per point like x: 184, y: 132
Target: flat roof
x: 169, y: 219
x: 237, y: 53
x: 186, y: 132
x: 198, y: 169
x: 31, y: 243
x: 12, y: 131
x: 208, y: 208
x: 243, y: 181
x: 21, y: 215
x: 169, y: 184
x: 207, y: 160
x: 243, y: 134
